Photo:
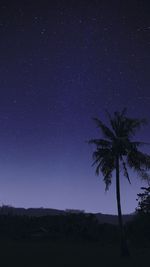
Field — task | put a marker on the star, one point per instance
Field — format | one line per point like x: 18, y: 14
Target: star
x: 43, y: 31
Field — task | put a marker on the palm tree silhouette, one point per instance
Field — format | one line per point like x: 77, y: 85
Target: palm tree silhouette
x: 117, y: 151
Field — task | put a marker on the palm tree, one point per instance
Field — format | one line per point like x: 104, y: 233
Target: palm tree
x: 116, y: 152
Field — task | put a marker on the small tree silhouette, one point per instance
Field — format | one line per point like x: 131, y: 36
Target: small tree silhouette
x: 144, y: 200
x: 118, y: 149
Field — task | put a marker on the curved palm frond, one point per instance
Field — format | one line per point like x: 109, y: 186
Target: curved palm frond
x: 124, y: 126
x: 104, y: 160
x: 140, y: 162
x: 115, y: 121
x: 101, y: 143
x: 132, y: 125
x: 105, y: 130
x: 126, y: 174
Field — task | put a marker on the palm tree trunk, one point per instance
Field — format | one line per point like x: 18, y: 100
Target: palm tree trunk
x: 124, y: 247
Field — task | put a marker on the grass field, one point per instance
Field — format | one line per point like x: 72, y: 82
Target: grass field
x: 66, y: 254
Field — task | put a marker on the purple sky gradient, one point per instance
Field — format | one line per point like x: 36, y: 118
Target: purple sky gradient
x: 63, y: 63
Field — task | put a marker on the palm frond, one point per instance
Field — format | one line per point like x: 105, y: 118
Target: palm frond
x: 101, y: 154
x: 124, y: 126
x: 126, y: 174
x: 105, y: 130
x: 104, y: 161
x: 97, y: 158
x: 132, y: 125
x: 100, y: 143
x: 107, y: 179
x: 115, y: 121
x: 140, y: 162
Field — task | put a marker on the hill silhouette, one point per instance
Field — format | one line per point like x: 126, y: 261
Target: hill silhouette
x: 39, y: 212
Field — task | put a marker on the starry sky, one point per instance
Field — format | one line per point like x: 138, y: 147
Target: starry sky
x: 61, y: 64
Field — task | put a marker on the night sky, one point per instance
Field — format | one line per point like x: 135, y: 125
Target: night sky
x: 61, y: 64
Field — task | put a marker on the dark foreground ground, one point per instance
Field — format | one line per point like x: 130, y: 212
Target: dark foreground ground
x: 67, y: 254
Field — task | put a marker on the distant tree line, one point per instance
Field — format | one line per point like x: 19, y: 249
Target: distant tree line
x: 73, y: 227
x: 56, y: 227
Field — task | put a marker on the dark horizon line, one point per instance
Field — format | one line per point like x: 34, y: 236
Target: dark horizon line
x: 67, y: 210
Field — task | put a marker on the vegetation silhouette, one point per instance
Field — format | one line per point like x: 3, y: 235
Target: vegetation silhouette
x: 118, y: 148
x: 144, y: 201
x: 78, y: 238
x: 138, y: 229
x: 72, y: 227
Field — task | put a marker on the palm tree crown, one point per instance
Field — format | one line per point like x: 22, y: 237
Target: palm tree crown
x: 118, y: 143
